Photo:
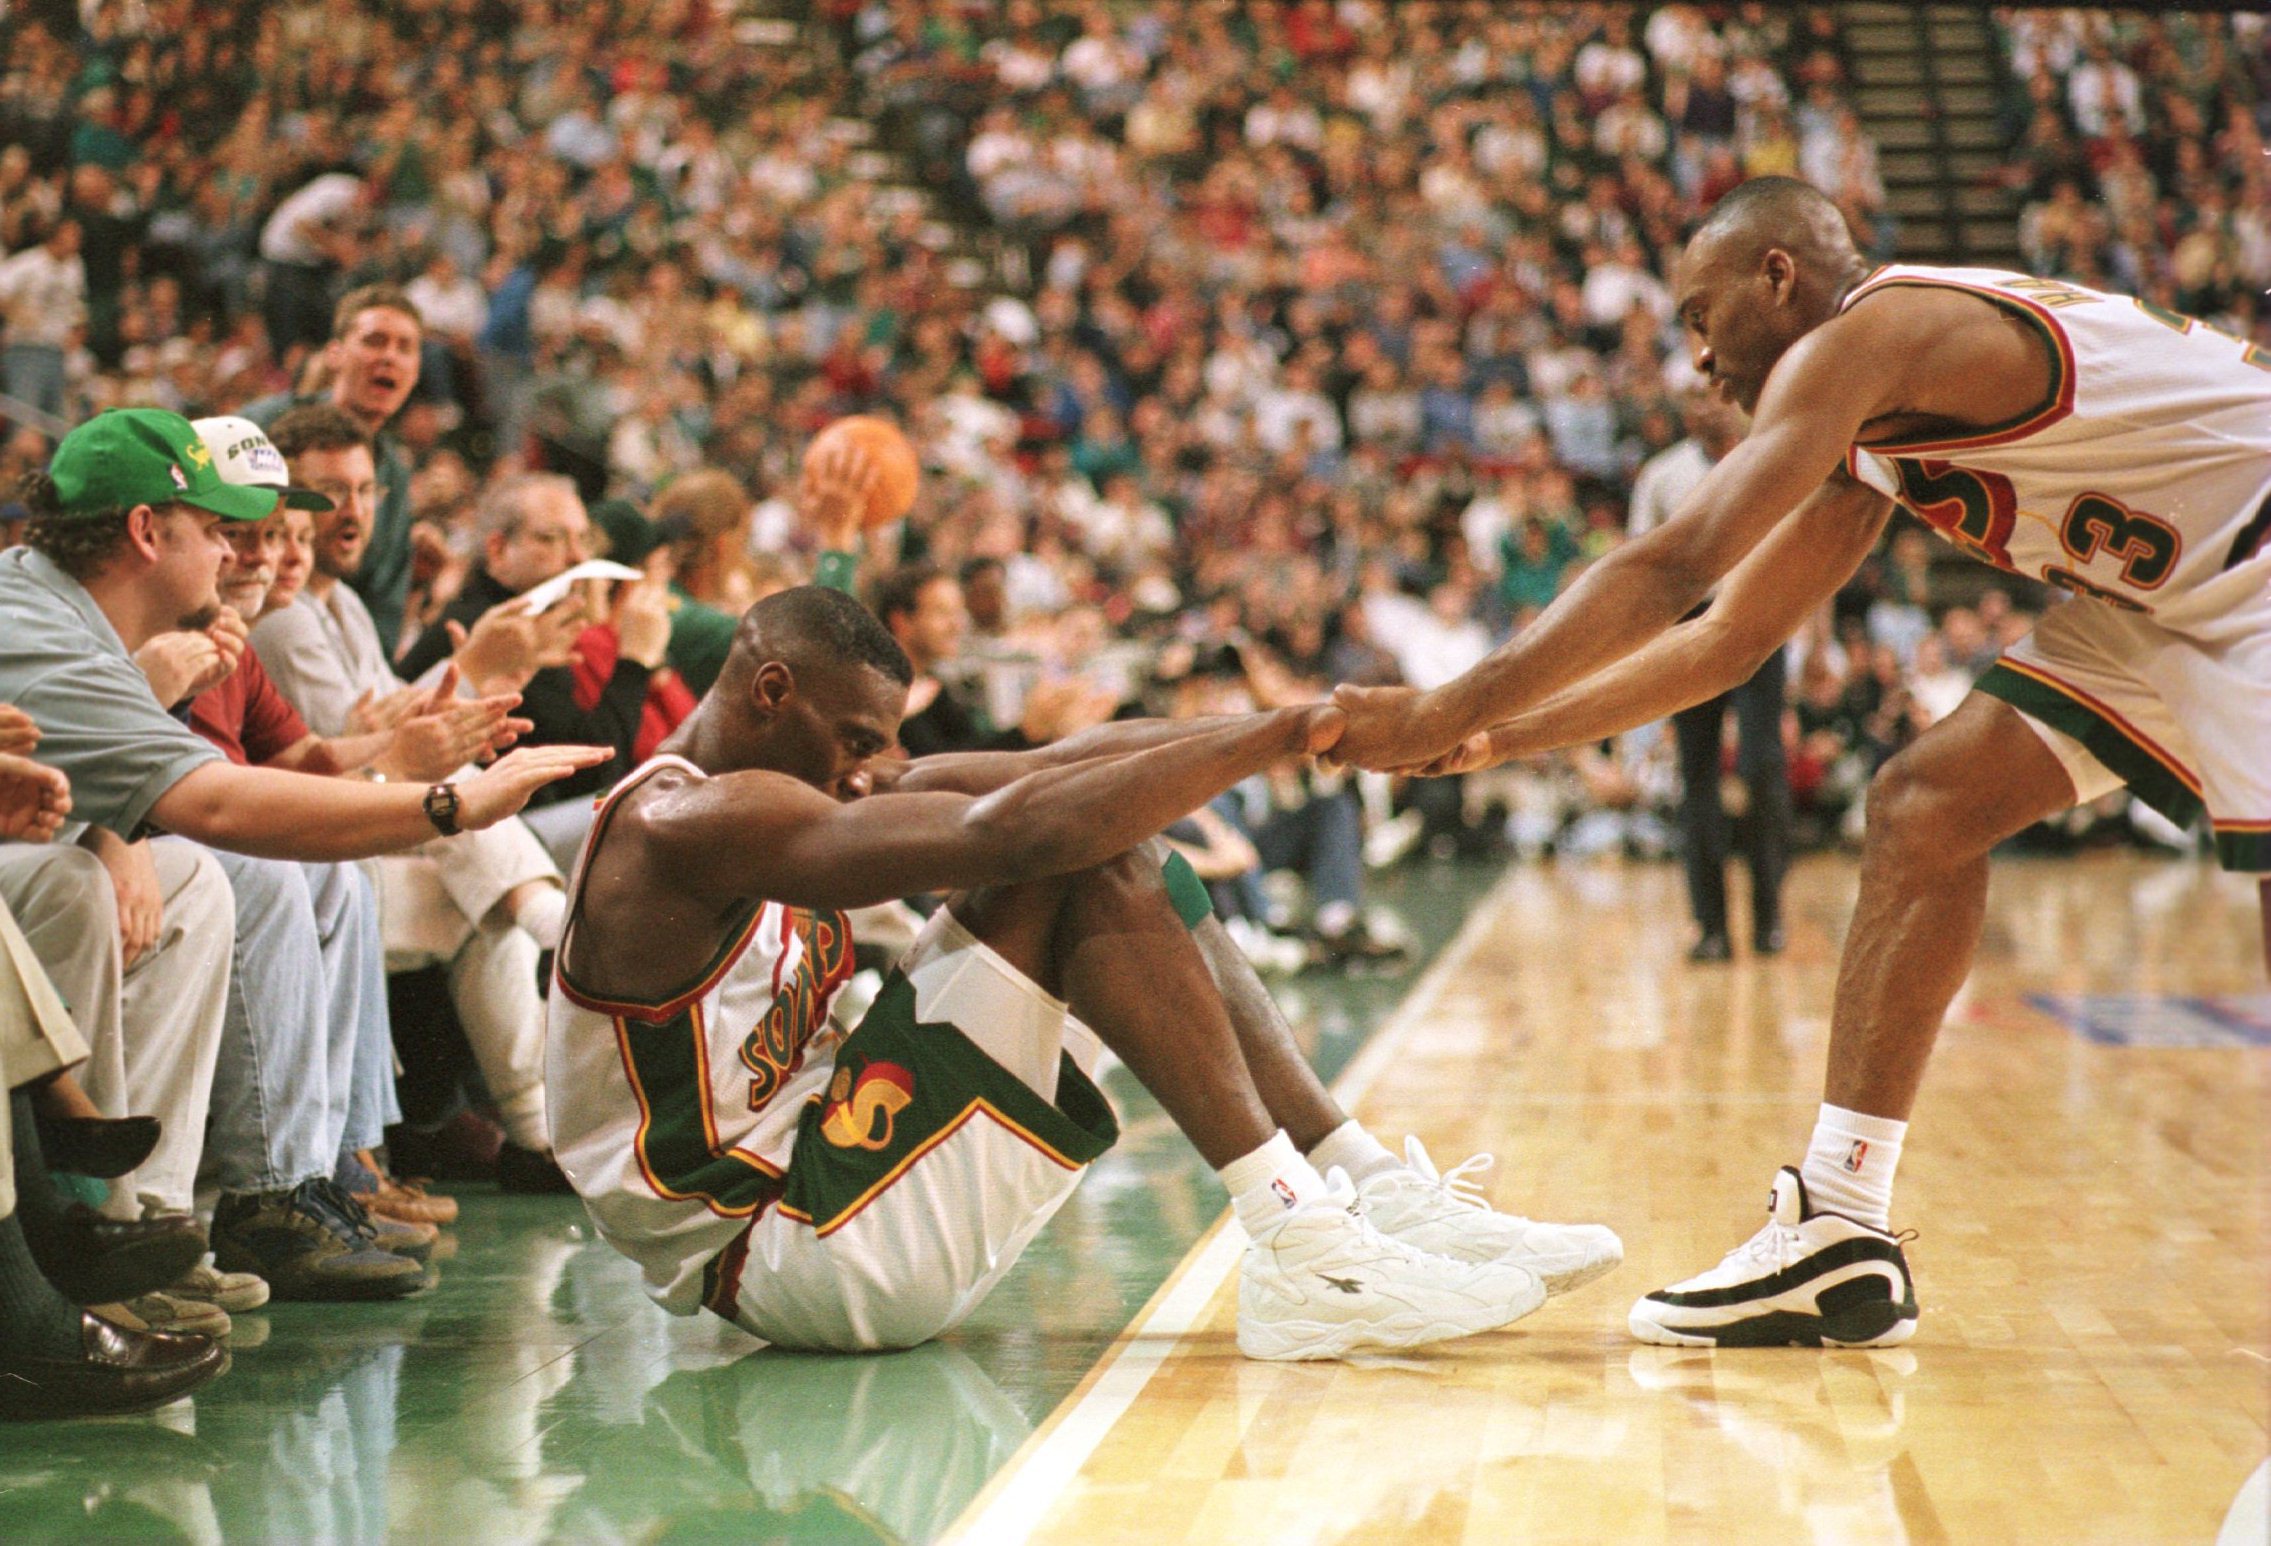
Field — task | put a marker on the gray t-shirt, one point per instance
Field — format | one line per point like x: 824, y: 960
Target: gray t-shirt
x: 324, y: 655
x: 63, y: 664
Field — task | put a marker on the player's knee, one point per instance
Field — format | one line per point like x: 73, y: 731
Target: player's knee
x: 1907, y: 810
x: 1122, y: 885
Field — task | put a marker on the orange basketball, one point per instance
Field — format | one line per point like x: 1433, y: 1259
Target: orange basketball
x: 888, y: 449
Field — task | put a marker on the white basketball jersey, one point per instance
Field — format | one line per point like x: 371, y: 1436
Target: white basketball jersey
x: 2141, y: 478
x: 675, y: 1120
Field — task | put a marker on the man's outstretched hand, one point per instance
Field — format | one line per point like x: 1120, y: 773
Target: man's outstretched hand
x: 1388, y: 729
x: 488, y: 797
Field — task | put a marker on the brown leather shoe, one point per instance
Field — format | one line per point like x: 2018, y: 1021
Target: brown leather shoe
x: 117, y: 1371
x: 406, y: 1201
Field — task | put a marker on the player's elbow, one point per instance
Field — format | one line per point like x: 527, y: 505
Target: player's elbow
x: 1733, y: 652
x: 1674, y: 567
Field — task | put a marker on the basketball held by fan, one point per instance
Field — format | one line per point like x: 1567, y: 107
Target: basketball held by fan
x: 884, y: 448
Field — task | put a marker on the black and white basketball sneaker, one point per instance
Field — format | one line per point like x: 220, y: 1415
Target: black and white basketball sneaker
x: 1806, y: 1280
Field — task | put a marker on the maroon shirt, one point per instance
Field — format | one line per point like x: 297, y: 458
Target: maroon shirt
x: 246, y: 717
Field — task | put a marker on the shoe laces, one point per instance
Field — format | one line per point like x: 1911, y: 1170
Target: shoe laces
x: 1460, y: 1186
x: 332, y: 1202
x: 1342, y: 1194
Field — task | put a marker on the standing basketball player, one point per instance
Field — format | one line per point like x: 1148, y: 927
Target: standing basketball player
x: 2110, y: 447
x: 866, y: 1191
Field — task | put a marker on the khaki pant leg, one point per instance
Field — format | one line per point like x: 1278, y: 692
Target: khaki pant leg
x: 37, y: 1037
x: 492, y: 983
x: 479, y: 869
x: 175, y: 998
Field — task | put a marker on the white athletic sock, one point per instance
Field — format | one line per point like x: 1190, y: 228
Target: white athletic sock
x: 1355, y: 1151
x: 1269, y: 1183
x: 1849, y: 1165
x: 543, y: 915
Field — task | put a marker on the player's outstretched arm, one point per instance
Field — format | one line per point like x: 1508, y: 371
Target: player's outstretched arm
x: 751, y: 834
x: 1814, y: 404
x: 984, y: 772
x: 1765, y: 600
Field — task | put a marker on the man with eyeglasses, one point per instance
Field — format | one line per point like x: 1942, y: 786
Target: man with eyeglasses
x: 533, y: 527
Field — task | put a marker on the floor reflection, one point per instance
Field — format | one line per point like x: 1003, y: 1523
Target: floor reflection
x: 1821, y: 1434
x: 786, y: 1446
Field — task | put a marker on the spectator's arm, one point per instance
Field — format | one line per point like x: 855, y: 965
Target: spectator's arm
x: 272, y: 814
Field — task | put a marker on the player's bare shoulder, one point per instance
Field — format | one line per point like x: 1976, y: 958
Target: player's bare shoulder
x: 1952, y: 359
x: 643, y: 924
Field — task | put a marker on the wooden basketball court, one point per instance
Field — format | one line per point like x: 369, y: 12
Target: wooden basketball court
x: 2087, y: 1175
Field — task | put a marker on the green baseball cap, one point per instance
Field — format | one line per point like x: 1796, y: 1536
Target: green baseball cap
x: 146, y: 456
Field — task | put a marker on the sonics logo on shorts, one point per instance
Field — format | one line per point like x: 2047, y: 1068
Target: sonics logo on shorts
x: 861, y: 1107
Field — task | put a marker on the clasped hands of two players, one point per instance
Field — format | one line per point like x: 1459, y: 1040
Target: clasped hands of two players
x: 1394, y: 730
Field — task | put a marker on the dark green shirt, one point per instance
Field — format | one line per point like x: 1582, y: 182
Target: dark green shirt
x: 700, y: 638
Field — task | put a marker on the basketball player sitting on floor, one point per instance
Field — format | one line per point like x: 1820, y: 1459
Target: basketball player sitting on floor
x: 865, y: 1191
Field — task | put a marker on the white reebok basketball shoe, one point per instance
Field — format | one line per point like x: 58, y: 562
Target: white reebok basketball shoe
x: 1806, y: 1280
x: 1446, y: 1214
x: 1324, y: 1283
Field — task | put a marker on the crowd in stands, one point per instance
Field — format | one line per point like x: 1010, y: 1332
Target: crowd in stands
x: 2142, y: 155
x: 1249, y: 349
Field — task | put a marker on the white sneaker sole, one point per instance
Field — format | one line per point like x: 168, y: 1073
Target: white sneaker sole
x: 1791, y: 1319
x: 1660, y: 1335
x: 1291, y: 1340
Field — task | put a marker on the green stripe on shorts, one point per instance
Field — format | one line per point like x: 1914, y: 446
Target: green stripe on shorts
x: 1184, y: 888
x: 901, y: 1085
x: 2146, y: 775
x: 2244, y: 852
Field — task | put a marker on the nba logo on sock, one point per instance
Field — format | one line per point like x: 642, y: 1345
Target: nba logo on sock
x: 1284, y: 1192
x: 1855, y: 1155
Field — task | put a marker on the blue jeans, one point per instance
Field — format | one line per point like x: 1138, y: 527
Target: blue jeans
x: 307, y: 1055
x: 1323, y: 839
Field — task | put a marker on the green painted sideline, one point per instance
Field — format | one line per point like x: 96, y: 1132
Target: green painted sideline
x: 536, y: 1395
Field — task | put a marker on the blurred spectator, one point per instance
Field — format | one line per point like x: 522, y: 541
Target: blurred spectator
x: 1715, y: 427
x: 43, y: 298
x: 532, y: 528
x: 308, y: 240
x: 369, y: 369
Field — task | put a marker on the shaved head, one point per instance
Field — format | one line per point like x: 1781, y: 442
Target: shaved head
x: 813, y: 687
x: 1769, y: 264
x: 1779, y: 212
x: 812, y: 626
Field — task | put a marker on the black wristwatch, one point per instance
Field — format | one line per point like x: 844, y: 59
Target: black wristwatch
x: 441, y: 808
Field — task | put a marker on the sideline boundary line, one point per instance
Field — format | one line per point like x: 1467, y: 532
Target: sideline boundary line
x: 1018, y: 1498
